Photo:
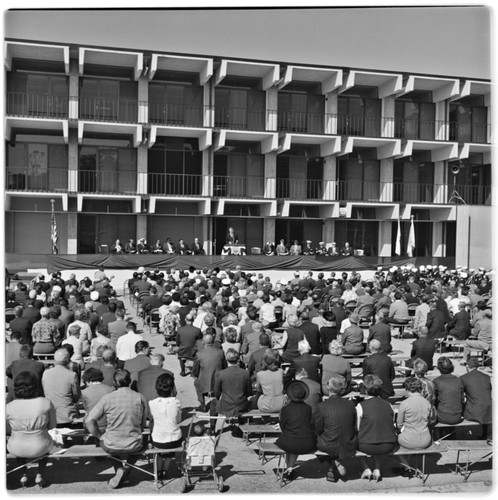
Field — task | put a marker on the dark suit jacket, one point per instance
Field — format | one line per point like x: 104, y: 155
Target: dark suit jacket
x: 135, y: 365
x: 255, y: 360
x: 186, y: 337
x: 309, y: 363
x: 382, y: 332
x: 24, y: 365
x: 116, y: 329
x: 478, y: 405
x: 232, y: 387
x: 146, y: 381
x: 312, y: 334
x: 459, y: 326
x: 32, y: 314
x: 435, y: 324
x: 423, y: 348
x: 207, y: 363
x: 23, y: 326
x: 380, y: 364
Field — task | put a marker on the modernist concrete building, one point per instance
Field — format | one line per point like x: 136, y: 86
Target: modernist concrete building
x: 133, y: 144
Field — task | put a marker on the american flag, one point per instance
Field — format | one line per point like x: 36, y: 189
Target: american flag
x: 54, y: 236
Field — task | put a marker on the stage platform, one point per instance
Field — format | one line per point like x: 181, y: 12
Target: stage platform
x: 19, y: 262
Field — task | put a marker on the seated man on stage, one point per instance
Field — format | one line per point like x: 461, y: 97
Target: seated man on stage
x: 117, y: 247
x: 197, y: 247
x: 308, y: 249
x: 169, y: 248
x: 182, y: 248
x: 321, y: 249
x: 130, y: 247
x: 333, y: 250
x: 232, y: 237
x: 346, y: 250
x: 157, y: 247
x: 269, y: 248
x: 295, y: 248
x: 281, y: 248
x: 142, y: 247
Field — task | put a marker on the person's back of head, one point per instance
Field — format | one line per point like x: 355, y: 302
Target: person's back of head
x: 374, y: 346
x: 18, y: 310
x: 423, y: 331
x: 26, y: 352
x: 264, y: 340
x: 208, y: 340
x: 112, y: 307
x: 109, y: 356
x: 62, y: 357
x: 16, y: 337
x: 92, y: 375
x: 303, y: 346
x: 131, y: 327
x: 142, y: 346
x: 157, y: 359
x: 121, y: 378
x: 232, y: 357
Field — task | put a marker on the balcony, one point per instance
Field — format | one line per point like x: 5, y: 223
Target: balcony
x: 240, y: 118
x: 107, y: 182
x: 24, y: 179
x: 470, y: 132
x: 174, y: 184
x: 300, y: 189
x: 301, y: 122
x: 179, y: 115
x: 359, y: 125
x: 108, y: 110
x: 238, y: 187
x: 37, y: 106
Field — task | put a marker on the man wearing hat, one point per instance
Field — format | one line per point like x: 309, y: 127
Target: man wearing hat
x: 320, y: 249
x: 308, y: 249
x: 352, y: 338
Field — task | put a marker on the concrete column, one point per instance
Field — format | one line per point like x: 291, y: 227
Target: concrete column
x: 143, y: 100
x: 142, y: 169
x: 331, y: 108
x: 74, y: 86
x: 141, y: 226
x: 384, y: 242
x: 270, y: 175
x: 207, y: 178
x: 386, y: 179
x: 438, y: 245
x: 205, y: 234
x: 442, y: 125
x: 72, y: 233
x: 328, y: 235
x: 72, y: 161
x: 329, y: 178
x: 387, y: 114
x: 440, y: 186
x: 271, y: 108
x: 268, y: 231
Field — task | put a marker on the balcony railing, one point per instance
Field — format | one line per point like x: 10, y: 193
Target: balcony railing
x: 179, y: 115
x: 238, y: 187
x: 300, y: 189
x: 27, y: 179
x: 37, y: 106
x: 359, y: 125
x: 470, y: 132
x: 108, y: 110
x: 174, y: 184
x: 240, y: 118
x: 358, y: 190
x: 109, y: 182
x: 471, y: 195
x: 301, y: 122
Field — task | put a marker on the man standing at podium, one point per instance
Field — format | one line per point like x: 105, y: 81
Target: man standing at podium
x: 232, y: 237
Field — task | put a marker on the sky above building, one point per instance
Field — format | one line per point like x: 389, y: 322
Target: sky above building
x: 435, y: 40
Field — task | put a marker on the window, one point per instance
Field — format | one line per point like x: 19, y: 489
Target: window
x: 358, y: 180
x: 240, y: 109
x: 359, y: 115
x: 413, y: 181
x: 468, y: 123
x: 415, y: 120
x: 301, y: 112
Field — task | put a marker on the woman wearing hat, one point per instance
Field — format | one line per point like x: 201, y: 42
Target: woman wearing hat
x: 297, y: 436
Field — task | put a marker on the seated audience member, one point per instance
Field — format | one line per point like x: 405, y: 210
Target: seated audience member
x: 117, y: 328
x: 482, y: 335
x: 198, y: 247
x: 230, y: 342
x: 13, y: 347
x: 435, y: 322
x: 419, y: 370
x: 315, y: 388
x: 328, y: 330
x: 148, y: 376
x: 270, y: 381
x: 352, y: 338
x: 186, y: 339
x: 281, y: 248
x: 80, y: 319
x: 380, y: 364
x: 45, y: 335
x: 166, y: 415
x: 80, y: 346
x: 126, y: 414
x: 376, y: 431
x: 21, y: 325
x: 335, y: 425
x: 478, y: 397
x: 255, y: 362
x: 61, y: 387
x: 29, y: 417
x: 449, y: 393
x: 101, y: 339
x: 25, y: 363
x: 125, y: 346
x: 398, y: 311
x: 459, y: 325
x: 140, y: 362
x: 334, y: 364
x: 423, y: 348
x: 94, y: 391
x: 297, y: 437
x: 381, y: 331
x: 305, y: 361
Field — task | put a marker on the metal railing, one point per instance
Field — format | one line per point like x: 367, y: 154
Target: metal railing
x: 108, y: 110
x: 238, y: 187
x: 36, y: 105
x: 180, y: 115
x: 110, y: 182
x: 359, y: 125
x: 301, y: 122
x: 174, y: 184
x: 358, y: 190
x: 470, y: 132
x: 29, y: 179
x: 299, y: 189
x: 240, y: 118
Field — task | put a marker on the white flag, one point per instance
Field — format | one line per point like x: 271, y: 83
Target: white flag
x: 397, y: 248
x: 411, y: 240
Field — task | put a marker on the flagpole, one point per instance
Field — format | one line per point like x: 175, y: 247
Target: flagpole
x: 53, y: 228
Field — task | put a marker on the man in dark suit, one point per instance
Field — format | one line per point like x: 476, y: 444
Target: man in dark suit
x: 21, y: 325
x: 423, y: 348
x: 459, y: 325
x: 478, y: 403
x: 207, y: 362
x: 305, y: 361
x: 435, y: 322
x: 146, y: 384
x: 140, y: 362
x: 380, y: 364
x: 381, y: 331
x: 232, y: 237
x: 186, y: 337
x: 25, y: 363
x: 254, y: 364
x: 31, y: 312
x: 117, y: 328
x: 311, y: 332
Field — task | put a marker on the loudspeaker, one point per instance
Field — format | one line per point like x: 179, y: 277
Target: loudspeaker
x: 455, y: 169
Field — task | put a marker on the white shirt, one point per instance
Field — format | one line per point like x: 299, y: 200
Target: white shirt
x: 167, y: 415
x: 125, y: 346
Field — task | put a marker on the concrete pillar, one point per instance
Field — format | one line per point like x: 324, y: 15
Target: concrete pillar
x: 207, y: 184
x: 74, y: 86
x: 205, y: 234
x: 268, y: 230
x: 271, y: 108
x: 442, y: 131
x: 388, y: 105
x: 329, y: 178
x: 72, y: 233
x: 438, y: 245
x: 440, y: 186
x: 331, y: 109
x: 142, y: 169
x: 270, y: 175
x: 386, y: 179
x: 143, y: 100
x: 328, y: 235
x: 384, y: 242
x: 141, y: 226
x: 208, y: 102
x: 72, y: 161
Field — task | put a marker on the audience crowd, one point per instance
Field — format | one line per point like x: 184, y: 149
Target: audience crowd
x: 248, y: 343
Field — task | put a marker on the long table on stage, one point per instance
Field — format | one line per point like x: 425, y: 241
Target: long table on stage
x: 247, y: 262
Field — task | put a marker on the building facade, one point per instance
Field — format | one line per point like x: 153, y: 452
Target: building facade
x: 134, y: 144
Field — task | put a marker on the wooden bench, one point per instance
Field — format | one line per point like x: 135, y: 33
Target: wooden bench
x: 92, y: 451
x: 259, y: 430
x: 463, y: 423
x: 466, y: 447
x: 259, y: 414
